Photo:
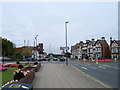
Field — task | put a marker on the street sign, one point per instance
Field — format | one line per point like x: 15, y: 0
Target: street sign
x: 64, y: 48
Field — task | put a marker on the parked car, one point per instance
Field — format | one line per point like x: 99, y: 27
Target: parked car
x: 5, y: 58
x: 62, y: 59
x: 44, y: 59
x: 55, y: 59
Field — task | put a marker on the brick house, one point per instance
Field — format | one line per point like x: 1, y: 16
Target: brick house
x: 98, y: 48
x: 115, y: 48
x: 102, y: 48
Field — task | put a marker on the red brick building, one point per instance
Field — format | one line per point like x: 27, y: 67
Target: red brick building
x: 105, y: 52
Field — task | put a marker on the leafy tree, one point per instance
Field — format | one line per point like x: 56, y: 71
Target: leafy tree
x: 18, y: 54
x: 27, y: 52
x: 8, y: 47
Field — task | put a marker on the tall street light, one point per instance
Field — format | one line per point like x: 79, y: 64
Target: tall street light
x: 36, y: 46
x: 66, y: 41
x: 34, y: 50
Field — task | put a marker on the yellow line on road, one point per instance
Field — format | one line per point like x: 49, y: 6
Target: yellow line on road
x: 96, y: 80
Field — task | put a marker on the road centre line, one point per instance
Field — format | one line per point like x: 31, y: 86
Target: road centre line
x: 96, y: 80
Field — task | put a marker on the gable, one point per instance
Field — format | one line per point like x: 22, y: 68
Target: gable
x: 114, y: 44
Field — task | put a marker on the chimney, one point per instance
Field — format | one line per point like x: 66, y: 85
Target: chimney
x: 81, y: 41
x: 110, y: 38
x: 103, y: 38
x: 93, y: 39
x: 87, y: 41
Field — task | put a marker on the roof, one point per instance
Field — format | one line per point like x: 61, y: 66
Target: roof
x: 117, y: 41
x: 93, y: 42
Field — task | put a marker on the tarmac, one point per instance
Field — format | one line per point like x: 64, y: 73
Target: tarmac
x: 53, y: 75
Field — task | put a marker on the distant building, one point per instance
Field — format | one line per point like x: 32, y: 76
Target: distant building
x: 26, y: 51
x: 115, y: 48
x: 38, y: 51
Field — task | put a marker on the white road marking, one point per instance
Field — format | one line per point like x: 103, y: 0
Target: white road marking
x: 96, y: 80
x: 110, y: 67
x: 93, y: 67
x: 102, y: 67
x: 84, y: 68
x: 88, y: 64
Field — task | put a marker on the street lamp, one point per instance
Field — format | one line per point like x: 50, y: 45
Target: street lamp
x: 66, y: 41
x: 36, y: 46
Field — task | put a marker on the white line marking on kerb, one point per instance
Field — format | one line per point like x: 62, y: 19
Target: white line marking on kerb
x: 96, y: 80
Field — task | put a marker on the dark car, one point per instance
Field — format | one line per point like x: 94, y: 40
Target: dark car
x: 62, y: 59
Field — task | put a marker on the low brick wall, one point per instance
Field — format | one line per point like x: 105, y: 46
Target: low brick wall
x: 29, y: 77
x: 37, y: 67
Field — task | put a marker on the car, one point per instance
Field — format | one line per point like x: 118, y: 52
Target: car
x: 44, y: 59
x: 5, y: 58
x: 55, y: 59
x: 62, y: 59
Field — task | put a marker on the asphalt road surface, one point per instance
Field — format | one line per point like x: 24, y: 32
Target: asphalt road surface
x: 105, y: 72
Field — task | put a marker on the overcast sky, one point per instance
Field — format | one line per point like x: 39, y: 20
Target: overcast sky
x: 87, y: 20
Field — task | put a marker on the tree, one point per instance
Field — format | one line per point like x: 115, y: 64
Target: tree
x: 18, y: 54
x: 27, y: 52
x: 8, y: 47
x: 68, y: 54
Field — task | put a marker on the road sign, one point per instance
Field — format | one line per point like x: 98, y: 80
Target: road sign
x: 64, y: 48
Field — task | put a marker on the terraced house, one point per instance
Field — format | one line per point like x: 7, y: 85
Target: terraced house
x: 91, y: 49
x: 115, y: 48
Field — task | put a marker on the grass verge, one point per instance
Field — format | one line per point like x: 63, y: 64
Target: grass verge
x: 8, y: 75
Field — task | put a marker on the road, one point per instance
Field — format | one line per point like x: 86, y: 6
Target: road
x: 105, y: 72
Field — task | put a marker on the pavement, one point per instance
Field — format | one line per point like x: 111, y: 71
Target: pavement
x: 54, y: 75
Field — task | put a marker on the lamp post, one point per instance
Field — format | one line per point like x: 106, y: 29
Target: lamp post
x: 34, y: 50
x: 36, y: 46
x: 66, y: 41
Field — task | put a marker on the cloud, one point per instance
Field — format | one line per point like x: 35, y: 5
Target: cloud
x: 23, y: 21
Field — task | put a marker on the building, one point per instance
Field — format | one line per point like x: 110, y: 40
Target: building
x: 115, y: 48
x: 26, y: 51
x: 91, y: 49
x: 38, y: 51
x: 102, y: 48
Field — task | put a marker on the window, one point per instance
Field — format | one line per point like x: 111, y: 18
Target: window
x: 115, y: 50
x: 98, y: 49
x: 114, y: 55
